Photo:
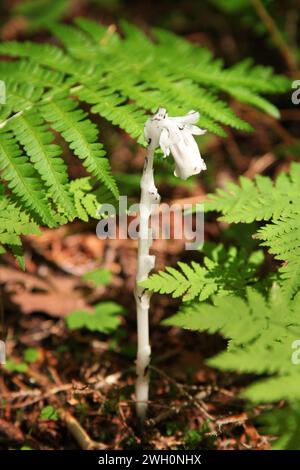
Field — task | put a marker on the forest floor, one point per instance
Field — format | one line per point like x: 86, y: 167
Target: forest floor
x: 64, y: 389
x: 88, y: 379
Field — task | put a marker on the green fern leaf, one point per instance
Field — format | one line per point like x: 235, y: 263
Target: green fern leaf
x: 82, y: 136
x: 197, y: 281
x: 32, y: 133
x: 278, y: 203
x: 261, y: 336
x: 105, y: 318
x: 22, y: 179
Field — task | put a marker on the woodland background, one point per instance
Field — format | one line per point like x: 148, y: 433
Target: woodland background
x: 61, y: 379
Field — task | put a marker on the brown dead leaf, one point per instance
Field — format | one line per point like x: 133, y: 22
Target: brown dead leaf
x: 74, y: 253
x: 57, y: 295
x: 55, y: 304
x: 10, y: 430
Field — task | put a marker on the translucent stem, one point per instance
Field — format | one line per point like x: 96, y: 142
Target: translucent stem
x: 149, y: 200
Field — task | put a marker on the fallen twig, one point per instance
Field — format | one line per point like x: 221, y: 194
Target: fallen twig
x: 79, y: 434
x: 41, y: 396
x: 191, y: 399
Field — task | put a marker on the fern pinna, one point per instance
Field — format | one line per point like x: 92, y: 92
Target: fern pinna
x: 260, y: 319
x: 222, y: 272
x: 278, y: 202
x: 119, y: 77
x: 262, y: 334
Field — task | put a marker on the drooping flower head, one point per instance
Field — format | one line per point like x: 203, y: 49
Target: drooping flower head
x: 175, y: 135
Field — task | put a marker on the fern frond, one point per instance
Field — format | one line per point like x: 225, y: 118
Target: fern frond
x: 40, y: 13
x: 285, y: 424
x: 247, y: 96
x: 26, y: 71
x: 276, y: 202
x: 85, y: 199
x: 121, y: 78
x: 114, y: 108
x: 32, y: 133
x: 261, y: 335
x: 13, y: 223
x: 22, y: 96
x: 195, y: 280
x: 77, y: 43
x: 251, y: 200
x: 199, y: 66
x: 43, y: 54
x: 194, y: 80
x: 283, y: 239
x: 258, y: 199
x: 105, y: 318
x: 82, y: 136
x: 97, y: 31
x: 22, y: 179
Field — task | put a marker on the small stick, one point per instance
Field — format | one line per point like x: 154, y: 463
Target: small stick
x: 41, y: 396
x: 79, y: 434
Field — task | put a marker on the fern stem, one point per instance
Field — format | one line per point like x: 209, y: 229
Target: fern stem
x: 149, y: 200
x: 4, y: 123
x: 48, y: 98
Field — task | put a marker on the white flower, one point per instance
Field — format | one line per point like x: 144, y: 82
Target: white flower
x: 175, y: 135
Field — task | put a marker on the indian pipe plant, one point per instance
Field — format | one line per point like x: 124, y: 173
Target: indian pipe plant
x: 175, y: 135
x: 53, y: 90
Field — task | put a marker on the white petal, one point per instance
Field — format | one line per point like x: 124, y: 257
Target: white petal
x: 191, y: 118
x: 164, y: 142
x: 175, y: 132
x: 195, y: 129
x: 187, y: 157
x: 175, y: 135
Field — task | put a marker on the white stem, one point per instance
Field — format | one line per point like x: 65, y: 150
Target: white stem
x: 149, y: 200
